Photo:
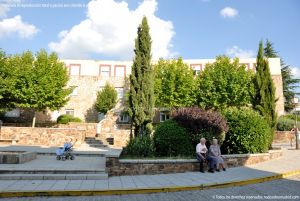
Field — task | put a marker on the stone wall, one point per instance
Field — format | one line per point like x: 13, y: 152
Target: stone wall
x: 277, y: 80
x: 43, y: 136
x: 110, y: 128
x: 284, y: 137
x: 90, y: 128
x: 116, y: 166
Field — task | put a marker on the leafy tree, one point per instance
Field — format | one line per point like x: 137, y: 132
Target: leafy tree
x: 174, y: 84
x: 6, y: 83
x: 264, y: 100
x: 288, y: 81
x: 36, y: 82
x: 141, y: 93
x: 106, y: 98
x: 224, y: 83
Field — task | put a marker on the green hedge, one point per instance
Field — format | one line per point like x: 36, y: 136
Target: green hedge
x: 285, y: 123
x: 248, y: 132
x: 170, y: 139
x: 65, y: 118
x: 139, y: 146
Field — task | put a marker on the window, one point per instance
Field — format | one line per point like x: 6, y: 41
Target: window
x: 120, y: 91
x: 120, y: 71
x: 105, y: 70
x: 75, y: 91
x: 75, y: 69
x: 164, y: 116
x: 123, y: 118
x: 70, y: 112
x: 13, y: 113
x: 196, y: 68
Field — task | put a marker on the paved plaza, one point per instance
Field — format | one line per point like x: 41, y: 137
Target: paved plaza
x: 283, y: 189
x: 288, y: 162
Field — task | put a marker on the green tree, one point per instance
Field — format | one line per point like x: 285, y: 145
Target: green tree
x: 141, y: 93
x: 289, y: 83
x: 106, y: 98
x: 174, y: 84
x: 7, y: 81
x: 264, y: 100
x: 36, y: 82
x: 224, y: 83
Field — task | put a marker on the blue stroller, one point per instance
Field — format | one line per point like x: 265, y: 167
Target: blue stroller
x: 65, y: 152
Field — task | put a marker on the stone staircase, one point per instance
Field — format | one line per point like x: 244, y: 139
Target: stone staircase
x: 93, y: 142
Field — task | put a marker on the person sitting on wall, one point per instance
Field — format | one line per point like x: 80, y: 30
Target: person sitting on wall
x: 215, y: 152
x: 202, y: 157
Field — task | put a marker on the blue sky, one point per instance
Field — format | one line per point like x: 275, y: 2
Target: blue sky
x: 105, y: 29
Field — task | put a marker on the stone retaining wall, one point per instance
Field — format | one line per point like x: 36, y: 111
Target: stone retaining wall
x: 284, y: 137
x: 43, y: 136
x: 117, y: 167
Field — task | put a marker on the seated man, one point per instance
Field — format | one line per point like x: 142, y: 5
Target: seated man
x: 201, y: 151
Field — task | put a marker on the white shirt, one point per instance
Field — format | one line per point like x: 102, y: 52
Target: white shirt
x: 200, y: 147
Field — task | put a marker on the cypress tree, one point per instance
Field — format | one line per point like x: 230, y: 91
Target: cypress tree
x: 141, y: 93
x: 264, y: 96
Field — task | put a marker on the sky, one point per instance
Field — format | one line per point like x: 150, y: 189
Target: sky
x: 192, y: 29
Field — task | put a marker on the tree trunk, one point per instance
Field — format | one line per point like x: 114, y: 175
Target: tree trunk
x: 34, y: 118
x: 131, y: 136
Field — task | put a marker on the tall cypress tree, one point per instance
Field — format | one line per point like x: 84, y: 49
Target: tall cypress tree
x: 264, y: 100
x: 141, y: 93
x: 289, y: 83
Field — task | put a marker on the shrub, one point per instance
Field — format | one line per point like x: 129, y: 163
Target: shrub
x: 200, y: 123
x: 286, y: 123
x: 248, y: 132
x: 65, y: 118
x: 139, y: 146
x: 170, y: 139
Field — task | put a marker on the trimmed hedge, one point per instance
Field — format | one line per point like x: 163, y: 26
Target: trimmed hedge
x: 170, y: 139
x: 248, y: 132
x: 286, y: 124
x: 65, y: 118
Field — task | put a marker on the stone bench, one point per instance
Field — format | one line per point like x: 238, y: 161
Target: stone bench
x: 8, y: 141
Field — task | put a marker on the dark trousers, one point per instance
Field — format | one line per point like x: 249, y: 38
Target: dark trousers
x: 212, y: 162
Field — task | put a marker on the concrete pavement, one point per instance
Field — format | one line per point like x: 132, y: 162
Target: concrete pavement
x: 269, y: 170
x: 282, y: 189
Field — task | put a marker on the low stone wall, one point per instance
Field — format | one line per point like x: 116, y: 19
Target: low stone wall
x: 16, y: 157
x: 284, y: 137
x: 90, y: 128
x: 117, y: 167
x: 43, y: 136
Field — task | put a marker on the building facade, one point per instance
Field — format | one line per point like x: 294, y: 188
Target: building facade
x: 89, y: 76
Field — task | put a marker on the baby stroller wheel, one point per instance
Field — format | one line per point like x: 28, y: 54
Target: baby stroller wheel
x: 63, y: 158
x: 58, y: 158
x: 72, y: 157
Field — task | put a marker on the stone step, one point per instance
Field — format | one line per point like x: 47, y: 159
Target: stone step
x: 76, y: 153
x: 100, y: 176
x: 93, y: 145
x: 50, y: 171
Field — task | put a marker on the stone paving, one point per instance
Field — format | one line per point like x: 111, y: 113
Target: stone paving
x: 289, y: 161
x: 283, y: 189
x: 81, y: 150
x: 50, y: 163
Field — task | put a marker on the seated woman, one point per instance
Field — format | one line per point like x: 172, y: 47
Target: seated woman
x: 215, y: 152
